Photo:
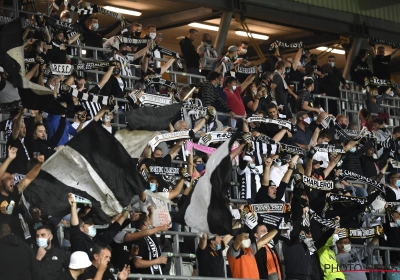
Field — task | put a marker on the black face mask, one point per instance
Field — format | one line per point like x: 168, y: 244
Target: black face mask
x: 125, y: 52
x: 303, y: 202
x: 208, y: 41
x: 313, y: 62
x: 287, y: 70
x: 159, y: 161
x: 137, y: 33
x: 116, y: 71
x: 343, y: 126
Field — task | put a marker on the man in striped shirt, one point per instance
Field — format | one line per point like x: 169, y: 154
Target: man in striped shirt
x: 209, y: 95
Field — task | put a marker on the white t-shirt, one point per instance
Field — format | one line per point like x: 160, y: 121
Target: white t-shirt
x: 108, y: 128
x: 121, y: 84
x: 161, y: 214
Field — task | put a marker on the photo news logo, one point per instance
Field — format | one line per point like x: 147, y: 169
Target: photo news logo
x: 357, y: 268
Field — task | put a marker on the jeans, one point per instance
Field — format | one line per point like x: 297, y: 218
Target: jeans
x: 361, y: 192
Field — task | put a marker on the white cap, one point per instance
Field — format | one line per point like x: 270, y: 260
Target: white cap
x: 79, y: 260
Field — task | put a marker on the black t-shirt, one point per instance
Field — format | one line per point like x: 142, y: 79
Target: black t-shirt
x: 211, y: 262
x: 303, y: 96
x: 381, y: 66
x: 145, y: 254
x: 241, y: 77
x: 271, y: 130
x: 82, y: 242
x: 120, y: 253
x: 66, y: 275
x: 9, y: 210
x: 91, y: 271
x: 281, y: 93
x: 20, y: 163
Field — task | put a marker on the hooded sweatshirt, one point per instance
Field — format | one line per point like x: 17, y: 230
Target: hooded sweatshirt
x: 17, y: 259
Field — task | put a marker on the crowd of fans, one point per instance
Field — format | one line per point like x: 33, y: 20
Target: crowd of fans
x: 278, y: 89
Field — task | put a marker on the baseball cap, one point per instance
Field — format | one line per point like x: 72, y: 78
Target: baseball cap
x: 271, y: 183
x: 79, y: 260
x: 233, y: 48
x: 300, y: 114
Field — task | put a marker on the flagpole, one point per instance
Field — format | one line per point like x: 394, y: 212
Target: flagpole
x: 189, y: 93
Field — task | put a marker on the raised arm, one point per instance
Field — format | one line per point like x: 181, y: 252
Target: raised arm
x: 74, y: 213
x: 142, y: 52
x: 266, y: 238
x: 24, y: 183
x: 106, y: 77
x: 267, y: 171
x: 331, y: 165
x: 17, y: 123
x: 247, y: 82
x: 177, y: 190
x: 175, y: 149
x: 203, y: 241
x: 132, y: 236
x: 166, y: 66
x: 12, y: 153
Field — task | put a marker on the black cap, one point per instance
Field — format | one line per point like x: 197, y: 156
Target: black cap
x: 271, y: 183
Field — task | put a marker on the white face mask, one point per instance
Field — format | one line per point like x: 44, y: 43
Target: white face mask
x: 246, y: 243
x: 233, y: 88
x: 42, y: 242
x: 51, y: 86
x: 307, y: 120
x: 324, y: 142
x: 152, y: 35
x: 347, y: 248
x: 40, y: 50
x: 243, y: 51
x: 92, y: 231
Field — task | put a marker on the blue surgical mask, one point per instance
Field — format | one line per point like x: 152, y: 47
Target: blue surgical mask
x: 398, y: 223
x: 216, y: 85
x: 217, y: 247
x: 153, y: 187
x: 398, y: 183
x: 95, y: 26
x: 92, y: 231
x: 200, y: 167
x: 332, y: 63
x: 42, y: 242
x: 352, y: 150
x: 235, y: 57
x: 252, y: 165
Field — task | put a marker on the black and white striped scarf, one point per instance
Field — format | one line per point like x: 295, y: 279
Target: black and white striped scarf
x: 330, y: 223
x: 363, y: 233
x: 357, y: 177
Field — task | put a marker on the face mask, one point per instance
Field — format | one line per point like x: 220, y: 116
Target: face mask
x: 153, y: 187
x: 95, y: 26
x: 40, y: 50
x: 92, y: 231
x: 42, y: 242
x: 125, y: 52
x: 200, y: 167
x: 208, y: 42
x: 307, y: 120
x: 261, y: 235
x: 332, y: 63
x: 278, y: 163
x: 233, y: 88
x: 246, y: 243
x: 216, y: 85
x: 149, y: 226
x: 217, y: 247
x: 287, y: 70
x: 302, y: 236
x: 137, y: 33
x: 51, y: 86
x: 116, y: 71
x: 352, y: 150
x: 324, y: 142
x: 398, y: 183
x: 235, y: 57
x: 252, y: 166
x: 343, y: 126
x: 243, y: 51
x: 69, y: 20
x: 347, y: 248
x: 152, y: 35
x: 159, y: 161
x: 398, y: 223
x: 107, y: 118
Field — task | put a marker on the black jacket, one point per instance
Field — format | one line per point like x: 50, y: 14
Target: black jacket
x: 390, y: 195
x: 55, y: 55
x: 53, y: 264
x: 362, y: 71
x: 112, y: 88
x: 352, y: 160
x: 17, y: 260
x: 190, y: 54
x: 46, y: 147
x: 298, y: 263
